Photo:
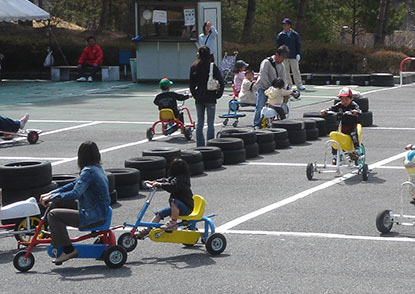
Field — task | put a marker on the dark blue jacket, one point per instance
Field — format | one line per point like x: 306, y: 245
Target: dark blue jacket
x: 292, y: 41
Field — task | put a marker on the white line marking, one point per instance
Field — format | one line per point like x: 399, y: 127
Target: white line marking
x: 274, y: 164
x: 300, y: 195
x: 391, y: 167
x: 389, y: 128
x: 31, y: 158
x: 71, y: 128
x: 321, y: 235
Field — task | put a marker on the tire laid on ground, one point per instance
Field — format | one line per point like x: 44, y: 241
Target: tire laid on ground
x: 264, y: 137
x: 196, y: 168
x: 11, y: 196
x: 297, y: 136
x: 282, y: 144
x: 249, y: 136
x: 322, y: 132
x: 321, y: 126
x: 363, y: 103
x: 191, y: 156
x: 288, y: 124
x: 365, y: 119
x: 320, y: 79
x: 330, y: 119
x: 267, y: 147
x: 227, y: 143
x: 213, y: 164
x: 234, y: 156
x: 169, y: 153
x: 382, y: 79
x: 114, y: 197
x: 312, y: 134
x: 252, y: 150
x: 361, y: 80
x: 339, y: 79
x: 127, y: 191
x: 146, y: 162
x: 151, y: 175
x: 25, y: 175
x: 332, y: 127
x: 111, y: 181
x: 279, y: 133
x: 125, y: 176
x: 309, y: 123
x: 63, y: 179
x: 210, y: 152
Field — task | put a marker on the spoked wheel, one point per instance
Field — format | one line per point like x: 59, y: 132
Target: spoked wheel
x: 216, y: 244
x: 365, y: 172
x: 21, y: 263
x: 32, y: 137
x: 188, y: 134
x: 149, y: 134
x: 235, y: 123
x: 22, y: 226
x: 126, y: 242
x: 384, y: 221
x: 115, y: 256
x: 310, y: 171
x: 225, y: 122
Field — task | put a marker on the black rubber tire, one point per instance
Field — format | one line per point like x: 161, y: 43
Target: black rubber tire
x: 322, y: 132
x: 22, y: 264
x: 267, y: 147
x: 227, y: 143
x: 249, y: 136
x: 129, y: 244
x: 216, y: 244
x: 196, y: 168
x: 365, y: 119
x: 264, y: 137
x: 252, y: 150
x: 191, y: 156
x: 125, y: 176
x: 149, y: 134
x: 320, y: 122
x: 234, y: 156
x: 115, y: 256
x: 63, y: 179
x: 310, y: 171
x: 297, y: 136
x: 111, y: 181
x: 383, y: 222
x: 341, y: 79
x: 210, y: 152
x: 382, y: 79
x: 213, y: 164
x: 312, y: 134
x: 331, y: 127
x: 282, y: 144
x: 113, y: 197
x: 365, y: 172
x: 169, y: 153
x: 19, y: 195
x: 279, y: 133
x: 362, y: 102
x: 32, y: 137
x: 320, y: 79
x: 330, y: 119
x: 146, y: 162
x: 127, y: 191
x: 309, y: 123
x: 25, y: 175
x: 361, y: 79
x: 151, y: 175
x: 288, y: 124
x: 188, y: 134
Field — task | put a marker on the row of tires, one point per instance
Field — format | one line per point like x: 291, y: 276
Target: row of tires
x: 374, y: 79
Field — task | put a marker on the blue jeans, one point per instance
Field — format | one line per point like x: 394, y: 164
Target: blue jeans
x: 261, y: 99
x: 210, y: 110
x: 183, y: 209
x: 9, y: 125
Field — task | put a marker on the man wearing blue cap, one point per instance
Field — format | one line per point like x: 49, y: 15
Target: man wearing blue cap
x: 292, y: 40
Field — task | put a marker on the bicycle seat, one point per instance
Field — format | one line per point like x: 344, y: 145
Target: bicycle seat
x: 199, y: 204
x: 167, y: 114
x: 344, y: 140
x: 103, y: 227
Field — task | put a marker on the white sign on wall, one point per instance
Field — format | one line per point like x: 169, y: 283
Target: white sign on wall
x: 189, y: 17
x: 159, y: 16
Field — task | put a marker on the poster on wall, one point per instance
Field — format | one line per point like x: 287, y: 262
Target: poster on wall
x: 189, y: 17
x: 159, y: 16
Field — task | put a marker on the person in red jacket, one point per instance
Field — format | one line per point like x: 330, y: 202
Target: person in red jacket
x: 91, y: 57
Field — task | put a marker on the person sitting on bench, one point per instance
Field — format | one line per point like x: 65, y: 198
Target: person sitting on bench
x: 91, y: 57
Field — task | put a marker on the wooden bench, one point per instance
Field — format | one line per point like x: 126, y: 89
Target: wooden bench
x: 62, y: 72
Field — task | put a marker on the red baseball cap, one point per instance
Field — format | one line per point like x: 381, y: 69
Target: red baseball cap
x: 345, y: 92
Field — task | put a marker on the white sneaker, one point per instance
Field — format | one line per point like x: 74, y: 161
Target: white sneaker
x: 90, y: 79
x: 24, y: 120
x: 81, y: 79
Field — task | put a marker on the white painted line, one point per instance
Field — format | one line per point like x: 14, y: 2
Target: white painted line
x: 99, y: 122
x: 321, y: 235
x: 391, y: 167
x: 31, y: 158
x: 59, y: 121
x: 389, y: 128
x: 274, y: 164
x: 300, y: 195
x: 71, y: 128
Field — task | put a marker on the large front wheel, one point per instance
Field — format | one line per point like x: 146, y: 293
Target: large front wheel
x: 216, y: 244
x: 126, y: 242
x: 21, y: 263
x: 310, y: 171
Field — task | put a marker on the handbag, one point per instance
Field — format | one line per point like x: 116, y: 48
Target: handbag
x: 212, y: 84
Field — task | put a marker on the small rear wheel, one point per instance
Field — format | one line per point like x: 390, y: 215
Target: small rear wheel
x: 32, y: 137
x: 235, y: 124
x: 225, y: 122
x: 365, y: 172
x: 115, y: 256
x: 149, y: 134
x: 129, y: 244
x: 216, y: 244
x: 21, y: 263
x: 310, y: 171
x: 188, y: 134
x: 384, y: 222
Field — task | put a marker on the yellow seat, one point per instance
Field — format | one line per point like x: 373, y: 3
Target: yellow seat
x: 199, y: 204
x: 345, y: 141
x: 166, y: 114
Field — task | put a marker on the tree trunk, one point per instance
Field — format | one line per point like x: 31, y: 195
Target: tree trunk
x: 103, y: 21
x: 381, y: 23
x: 354, y: 23
x: 249, y: 21
x: 299, y: 26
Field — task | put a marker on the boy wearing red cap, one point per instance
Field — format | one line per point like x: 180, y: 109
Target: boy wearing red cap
x: 349, y: 122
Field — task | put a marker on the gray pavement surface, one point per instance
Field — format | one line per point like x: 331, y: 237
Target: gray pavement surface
x: 323, y: 241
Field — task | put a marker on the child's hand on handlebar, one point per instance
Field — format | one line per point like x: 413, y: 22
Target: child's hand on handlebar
x: 44, y: 199
x: 323, y: 112
x: 355, y: 112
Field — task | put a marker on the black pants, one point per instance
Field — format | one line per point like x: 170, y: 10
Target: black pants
x: 280, y: 111
x: 84, y: 67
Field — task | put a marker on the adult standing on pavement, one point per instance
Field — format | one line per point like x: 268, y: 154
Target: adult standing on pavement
x: 205, y: 99
x: 91, y: 57
x: 208, y: 37
x: 292, y: 40
x: 272, y: 68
